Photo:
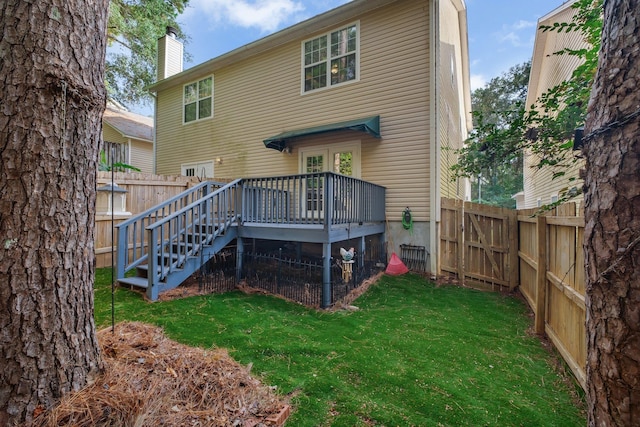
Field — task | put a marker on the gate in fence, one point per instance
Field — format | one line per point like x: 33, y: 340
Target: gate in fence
x: 478, y: 243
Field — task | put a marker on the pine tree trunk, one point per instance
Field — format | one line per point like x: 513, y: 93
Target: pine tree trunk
x: 52, y: 97
x: 612, y: 215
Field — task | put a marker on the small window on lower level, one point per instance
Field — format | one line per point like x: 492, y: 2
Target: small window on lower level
x: 199, y: 169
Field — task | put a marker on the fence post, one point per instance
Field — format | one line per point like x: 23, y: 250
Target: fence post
x: 513, y: 260
x: 460, y: 230
x: 541, y: 274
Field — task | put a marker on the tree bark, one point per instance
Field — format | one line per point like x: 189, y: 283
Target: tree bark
x: 52, y: 99
x: 612, y: 215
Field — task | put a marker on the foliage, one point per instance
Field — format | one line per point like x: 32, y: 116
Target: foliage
x: 492, y: 155
x: 104, y: 165
x: 546, y: 128
x: 414, y: 354
x: 554, y: 117
x: 559, y: 111
x: 133, y: 30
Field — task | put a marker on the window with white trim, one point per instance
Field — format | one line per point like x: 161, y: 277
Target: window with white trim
x: 202, y: 169
x: 330, y: 59
x: 198, y: 100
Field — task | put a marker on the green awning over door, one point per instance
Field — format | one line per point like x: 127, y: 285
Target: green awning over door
x: 370, y: 125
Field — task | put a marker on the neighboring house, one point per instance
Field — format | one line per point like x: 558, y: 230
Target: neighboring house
x: 128, y: 138
x: 547, y: 71
x: 384, y: 83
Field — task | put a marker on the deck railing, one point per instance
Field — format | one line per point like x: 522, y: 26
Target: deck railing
x: 132, y: 235
x: 183, y: 234
x: 172, y: 237
x: 324, y: 198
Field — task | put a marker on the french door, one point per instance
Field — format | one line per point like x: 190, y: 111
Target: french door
x: 341, y: 158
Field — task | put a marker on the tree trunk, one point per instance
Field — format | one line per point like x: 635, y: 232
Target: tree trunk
x: 52, y: 99
x: 612, y: 215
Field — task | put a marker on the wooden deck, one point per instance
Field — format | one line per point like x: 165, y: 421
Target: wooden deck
x: 167, y: 243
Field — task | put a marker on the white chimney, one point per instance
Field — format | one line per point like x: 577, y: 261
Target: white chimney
x: 169, y: 55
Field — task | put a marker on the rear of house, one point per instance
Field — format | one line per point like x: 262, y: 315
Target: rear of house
x: 547, y: 71
x: 374, y: 89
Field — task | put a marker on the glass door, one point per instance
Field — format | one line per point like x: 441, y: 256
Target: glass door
x: 314, y: 163
x: 344, y: 159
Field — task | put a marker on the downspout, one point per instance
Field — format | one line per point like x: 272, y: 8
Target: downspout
x: 155, y: 131
x: 434, y: 148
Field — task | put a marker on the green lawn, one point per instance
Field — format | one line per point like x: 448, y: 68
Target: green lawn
x: 414, y: 354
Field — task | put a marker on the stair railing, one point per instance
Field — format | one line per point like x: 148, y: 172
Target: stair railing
x: 182, y: 234
x: 132, y: 235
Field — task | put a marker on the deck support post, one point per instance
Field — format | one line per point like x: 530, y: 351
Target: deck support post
x: 299, y: 250
x: 239, y: 258
x: 153, y: 261
x: 326, y: 275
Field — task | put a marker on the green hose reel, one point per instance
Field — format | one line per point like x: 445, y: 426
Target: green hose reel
x: 407, y: 220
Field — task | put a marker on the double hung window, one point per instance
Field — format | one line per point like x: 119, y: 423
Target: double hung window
x: 331, y: 59
x: 198, y: 100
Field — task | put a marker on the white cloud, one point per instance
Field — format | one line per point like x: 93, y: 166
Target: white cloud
x: 511, y: 37
x: 477, y: 81
x: 264, y: 15
x: 512, y: 33
x: 522, y: 24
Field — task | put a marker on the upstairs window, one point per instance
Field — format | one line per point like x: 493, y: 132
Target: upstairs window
x: 331, y: 59
x: 198, y: 100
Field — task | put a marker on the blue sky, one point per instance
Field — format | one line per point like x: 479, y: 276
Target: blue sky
x: 501, y: 32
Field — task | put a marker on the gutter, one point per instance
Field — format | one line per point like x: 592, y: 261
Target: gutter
x: 296, y: 32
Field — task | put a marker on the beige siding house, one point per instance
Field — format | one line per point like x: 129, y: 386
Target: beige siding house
x: 128, y: 137
x: 384, y: 83
x: 547, y: 71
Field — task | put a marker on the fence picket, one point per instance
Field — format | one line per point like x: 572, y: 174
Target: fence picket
x: 542, y: 254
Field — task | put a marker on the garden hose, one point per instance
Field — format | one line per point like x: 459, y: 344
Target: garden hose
x: 407, y: 220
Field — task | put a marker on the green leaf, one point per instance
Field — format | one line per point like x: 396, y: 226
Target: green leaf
x: 133, y: 30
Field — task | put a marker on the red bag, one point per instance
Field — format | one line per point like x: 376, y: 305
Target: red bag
x: 396, y: 267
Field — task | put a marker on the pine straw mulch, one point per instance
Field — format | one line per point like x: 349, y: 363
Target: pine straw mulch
x: 150, y: 380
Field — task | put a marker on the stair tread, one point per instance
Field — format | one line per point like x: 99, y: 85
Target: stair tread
x: 140, y: 282
x: 145, y: 267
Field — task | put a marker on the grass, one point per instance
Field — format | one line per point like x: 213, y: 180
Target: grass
x: 415, y: 354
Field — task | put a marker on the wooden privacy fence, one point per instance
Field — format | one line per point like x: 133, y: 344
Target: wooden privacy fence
x: 478, y: 243
x: 552, y: 280
x: 143, y: 192
x: 488, y: 247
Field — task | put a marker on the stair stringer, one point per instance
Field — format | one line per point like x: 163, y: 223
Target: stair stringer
x: 192, y: 264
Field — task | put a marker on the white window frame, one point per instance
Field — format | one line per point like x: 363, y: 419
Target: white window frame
x: 197, y: 168
x: 327, y: 61
x: 329, y: 151
x: 197, y: 101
